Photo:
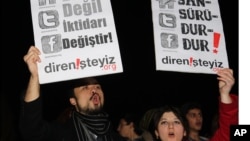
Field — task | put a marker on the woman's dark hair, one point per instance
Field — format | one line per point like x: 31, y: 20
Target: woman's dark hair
x: 160, y: 111
x: 147, y: 120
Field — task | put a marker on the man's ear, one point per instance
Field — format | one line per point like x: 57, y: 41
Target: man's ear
x: 72, y: 101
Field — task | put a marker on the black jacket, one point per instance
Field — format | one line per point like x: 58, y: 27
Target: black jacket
x: 34, y: 128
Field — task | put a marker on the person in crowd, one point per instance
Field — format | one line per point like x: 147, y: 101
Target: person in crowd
x: 192, y: 113
x: 88, y: 121
x: 129, y: 128
x: 170, y: 125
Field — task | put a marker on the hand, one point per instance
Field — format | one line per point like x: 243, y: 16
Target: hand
x: 31, y: 59
x: 226, y: 82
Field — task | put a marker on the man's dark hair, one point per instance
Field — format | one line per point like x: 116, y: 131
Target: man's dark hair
x: 189, y: 106
x: 80, y: 82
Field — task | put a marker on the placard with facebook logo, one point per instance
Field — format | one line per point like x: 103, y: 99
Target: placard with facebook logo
x: 188, y: 36
x: 77, y: 38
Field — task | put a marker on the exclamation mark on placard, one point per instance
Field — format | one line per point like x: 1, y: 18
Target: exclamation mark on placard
x: 190, y: 61
x: 110, y: 36
x: 77, y: 63
x: 216, y: 42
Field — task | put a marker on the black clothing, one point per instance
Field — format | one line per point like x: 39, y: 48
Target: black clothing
x: 78, y: 128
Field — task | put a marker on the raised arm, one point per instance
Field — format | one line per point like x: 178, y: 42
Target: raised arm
x: 31, y: 59
x: 228, y: 105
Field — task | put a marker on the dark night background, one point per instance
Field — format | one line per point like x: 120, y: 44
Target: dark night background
x: 139, y: 88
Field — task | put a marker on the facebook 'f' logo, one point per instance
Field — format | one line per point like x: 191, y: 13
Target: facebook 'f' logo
x: 169, y: 40
x: 51, y: 43
x: 48, y: 19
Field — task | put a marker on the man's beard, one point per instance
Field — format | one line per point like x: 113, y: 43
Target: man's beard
x: 89, y: 111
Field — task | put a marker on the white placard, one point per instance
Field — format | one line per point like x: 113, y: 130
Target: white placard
x: 188, y: 36
x: 77, y: 38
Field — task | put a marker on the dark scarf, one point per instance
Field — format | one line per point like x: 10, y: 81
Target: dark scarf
x: 92, y: 127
